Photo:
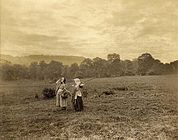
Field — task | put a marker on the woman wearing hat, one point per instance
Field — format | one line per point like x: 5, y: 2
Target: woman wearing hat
x: 62, y: 93
x: 77, y: 99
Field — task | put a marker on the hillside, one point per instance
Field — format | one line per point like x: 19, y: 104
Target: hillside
x: 26, y: 60
x: 2, y: 61
x: 146, y: 110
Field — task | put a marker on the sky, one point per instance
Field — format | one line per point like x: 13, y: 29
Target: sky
x: 90, y: 28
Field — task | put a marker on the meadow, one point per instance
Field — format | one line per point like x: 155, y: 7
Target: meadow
x: 121, y: 108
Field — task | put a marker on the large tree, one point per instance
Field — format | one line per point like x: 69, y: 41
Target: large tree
x: 73, y: 70
x: 54, y: 70
x: 128, y: 67
x: 86, y: 68
x: 114, y: 65
x: 112, y: 57
x: 33, y: 70
x: 174, y: 66
x: 100, y: 67
x: 145, y: 62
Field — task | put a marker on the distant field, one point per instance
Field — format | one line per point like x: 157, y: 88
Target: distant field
x: 133, y: 108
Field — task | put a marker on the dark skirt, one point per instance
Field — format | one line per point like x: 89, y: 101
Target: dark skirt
x: 78, y: 104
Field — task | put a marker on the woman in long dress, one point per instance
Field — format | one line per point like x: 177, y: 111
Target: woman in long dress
x: 61, y: 89
x: 77, y: 99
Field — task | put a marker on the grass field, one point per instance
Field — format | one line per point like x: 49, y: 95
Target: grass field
x: 137, y: 108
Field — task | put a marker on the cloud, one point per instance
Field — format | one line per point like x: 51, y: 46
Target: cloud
x: 90, y: 28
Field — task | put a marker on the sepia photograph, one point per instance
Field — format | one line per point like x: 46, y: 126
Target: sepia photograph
x: 88, y: 69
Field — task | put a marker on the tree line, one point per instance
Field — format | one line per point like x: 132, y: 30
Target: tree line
x: 113, y: 66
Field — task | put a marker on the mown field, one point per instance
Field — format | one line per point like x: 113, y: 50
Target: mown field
x: 123, y: 108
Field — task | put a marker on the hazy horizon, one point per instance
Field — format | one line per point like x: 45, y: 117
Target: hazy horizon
x: 90, y: 28
x: 42, y: 54
x: 82, y: 56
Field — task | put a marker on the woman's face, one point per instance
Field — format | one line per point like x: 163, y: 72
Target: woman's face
x: 77, y: 81
x: 62, y: 79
